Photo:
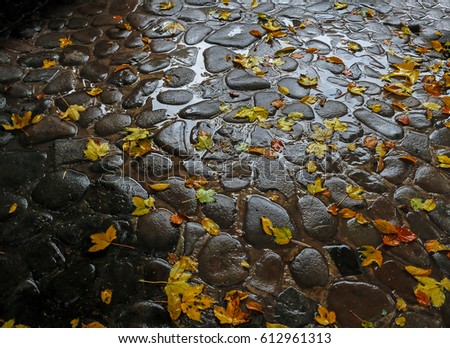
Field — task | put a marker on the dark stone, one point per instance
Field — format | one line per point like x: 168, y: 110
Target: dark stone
x: 124, y: 77
x: 131, y: 57
x: 296, y: 91
x: 90, y: 115
x: 441, y: 216
x: 44, y: 258
x: 367, y: 300
x: 202, y: 110
x: 36, y: 60
x: 111, y: 95
x: 396, y: 170
x: 194, y: 237
x: 173, y: 139
x: 397, y: 279
x: 422, y: 227
x: 50, y: 128
x: 258, y: 206
x: 361, y: 235
x: 87, y: 35
x: 219, y: 263
x: 61, y: 189
x: 378, y: 124
x: 289, y: 65
x: 155, y: 165
x: 39, y: 75
x: 140, y: 21
x: 316, y: 220
x: 75, y: 55
x: 271, y: 175
x: 196, y: 33
x: 441, y: 137
x: 113, y: 194
x: 223, y: 211
x: 260, y: 137
x: 105, y: 48
x: 69, y: 151
x: 370, y: 182
x: 161, y: 45
x: 412, y: 254
x: 309, y: 268
x: 417, y: 145
x: 266, y: 275
x: 386, y: 109
x: 345, y: 259
x: 420, y: 321
x: 265, y: 99
x: 144, y: 315
x: 139, y: 95
x: 234, y: 35
x: 63, y: 82
x: 218, y: 59
x: 179, y: 77
x: 50, y: 40
x: 432, y: 180
x: 18, y: 167
x: 354, y: 132
x: 153, y: 6
x: 149, y: 118
x: 156, y: 234
x: 75, y: 98
x: 159, y: 30
x: 337, y: 188
x: 331, y: 109
x: 10, y: 74
x: 77, y: 23
x: 306, y: 110
x: 108, y: 164
x: 175, y: 97
x: 112, y: 123
x: 179, y: 196
x: 198, y: 168
x: 294, y: 309
x: 154, y: 65
x: 95, y: 71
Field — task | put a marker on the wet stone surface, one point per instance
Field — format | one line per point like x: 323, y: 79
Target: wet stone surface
x: 280, y: 112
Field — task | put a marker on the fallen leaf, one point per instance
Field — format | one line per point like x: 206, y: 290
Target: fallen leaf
x: 431, y: 86
x: 405, y: 69
x: 96, y: 149
x: 312, y: 50
x: 254, y: 306
x: 355, y: 192
x: 210, y: 226
x: 325, y: 317
x: 75, y: 322
x: 271, y: 26
x: 418, y: 272
x: 64, y: 42
x: 317, y: 148
x: 159, y: 187
x: 309, y: 99
x: 311, y: 166
x: 284, y: 90
x: 95, y: 91
x: 72, y: 112
x: 255, y: 113
x: 177, y: 219
x: 400, y: 321
x: 437, y: 46
x: 444, y: 161
x: 432, y: 106
x: 173, y: 27
x: 433, y: 289
x: 225, y: 15
x: 317, y: 187
x: 193, y: 301
x: 276, y: 145
x: 417, y: 204
x: 195, y: 182
x: 347, y: 213
x: 394, y: 235
x: 256, y: 33
x: 93, y: 325
x: 353, y: 88
x: 399, y: 89
x: 370, y: 141
x: 275, y: 326
x: 401, y: 106
x: 122, y: 67
x: 354, y: 46
x: 263, y: 151
x: 381, y: 149
x: 102, y: 240
x: 336, y: 125
x: 308, y: 82
x: 142, y: 205
x: 204, y: 141
x: 403, y: 119
x: 282, y: 235
x: 206, y: 196
x: 165, y: 6
x: 285, y: 51
x: 106, y: 296
x: 232, y: 314
x: 370, y: 255
x: 375, y: 107
x: 254, y: 3
x: 434, y: 246
x: 48, y: 63
x: 19, y: 122
x: 401, y: 305
x: 422, y: 298
x: 12, y: 208
x: 334, y: 60
x: 138, y: 147
x: 245, y: 264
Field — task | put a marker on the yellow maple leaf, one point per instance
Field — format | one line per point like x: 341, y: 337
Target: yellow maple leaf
x: 102, y: 240
x: 72, y: 112
x: 193, y: 301
x: 282, y: 235
x: 19, y: 122
x: 336, y: 125
x: 306, y: 81
x: 375, y: 107
x: 353, y: 88
x: 370, y: 255
x: 433, y: 246
x: 255, y: 113
x: 316, y: 187
x: 96, y: 149
x: 159, y: 187
x: 75, y: 322
x: 48, y: 63
x: 225, y: 15
x: 317, y: 148
x: 210, y: 226
x: 355, y: 192
x: 142, y: 205
x: 232, y: 314
x: 405, y: 69
x: 64, y: 42
x: 433, y: 289
x: 309, y: 99
x: 325, y: 317
x: 444, y: 161
x: 93, y: 92
x: 399, y: 89
x: 137, y: 148
x: 284, y: 90
x: 173, y: 27
x: 321, y: 133
x: 12, y: 208
x: 165, y: 6
x: 401, y: 305
x: 400, y: 321
x: 106, y: 296
x: 275, y: 326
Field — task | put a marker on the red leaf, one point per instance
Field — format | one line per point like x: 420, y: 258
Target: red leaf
x: 277, y: 145
x: 391, y: 240
x: 404, y: 235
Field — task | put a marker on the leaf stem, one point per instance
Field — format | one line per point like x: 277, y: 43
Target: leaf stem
x: 300, y: 243
x: 151, y: 282
x: 124, y: 245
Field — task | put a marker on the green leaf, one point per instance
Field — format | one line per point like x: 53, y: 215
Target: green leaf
x: 206, y: 196
x: 416, y: 204
x: 204, y: 141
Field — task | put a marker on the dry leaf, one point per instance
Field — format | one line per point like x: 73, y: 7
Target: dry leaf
x: 355, y: 192
x: 444, y: 161
x: 317, y: 187
x: 143, y: 206
x: 103, y: 239
x: 177, y: 219
x: 334, y: 60
x: 307, y: 82
x: 72, y: 112
x: 18, y: 122
x: 394, y: 235
x: 210, y: 226
x: 93, y: 325
x: 165, y: 6
x: 401, y: 305
x: 95, y: 91
x: 370, y: 141
x: 64, y: 42
x: 263, y: 151
x: 106, y: 296
x: 232, y: 314
x: 353, y: 88
x: 96, y: 149
x: 195, y: 182
x: 254, y: 306
x: 122, y: 67
x: 275, y: 326
x: 255, y: 113
x: 325, y: 317
x: 256, y: 33
x: 159, y: 187
x: 418, y: 272
x: 400, y: 321
x: 48, y: 63
x: 434, y: 246
x: 370, y: 255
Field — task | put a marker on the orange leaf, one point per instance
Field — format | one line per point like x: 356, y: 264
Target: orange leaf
x: 400, y: 106
x: 106, y: 296
x: 405, y: 235
x: 431, y: 86
x: 312, y: 50
x: 232, y: 314
x: 409, y: 158
x: 433, y: 246
x: 256, y: 33
x: 177, y: 218
x: 268, y: 153
x: 333, y: 209
x: 103, y: 239
x: 384, y: 226
x: 334, y: 60
x: 195, y: 182
x: 277, y: 145
x: 254, y: 306
x: 370, y: 141
x: 122, y: 67
x: 278, y: 104
x: 325, y: 317
x: 403, y: 119
x: 422, y: 298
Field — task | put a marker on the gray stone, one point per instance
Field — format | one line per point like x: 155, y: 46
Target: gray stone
x: 74, y: 55
x: 432, y: 180
x: 396, y: 170
x: 108, y: 164
x: 139, y: 95
x: 234, y: 35
x: 154, y: 65
x: 316, y: 220
x: 95, y: 71
x: 124, y: 77
x: 18, y: 167
x: 365, y: 299
x: 158, y: 29
x: 266, y: 275
x: 50, y: 128
x: 386, y: 109
x: 378, y: 124
x: 36, y: 59
x: 371, y: 182
x: 63, y: 82
x: 105, y: 48
x: 10, y: 74
x: 132, y: 58
x: 140, y: 21
x: 241, y: 80
x: 258, y: 206
x: 156, y: 234
x: 154, y: 7
x: 69, y: 151
x: 149, y: 118
x: 309, y: 268
x: 296, y: 91
x: 223, y: 211
x: 394, y: 277
x: 289, y: 65
x: 179, y: 77
x: 111, y: 95
x: 179, y: 196
x: 196, y: 33
x: 155, y: 165
x: 90, y: 115
x: 161, y: 45
x: 218, y: 59
x: 272, y: 175
x: 40, y: 75
x: 113, y: 194
x: 441, y: 137
x: 175, y: 97
x: 87, y: 35
x: 331, y: 109
x: 203, y: 110
x: 112, y: 123
x: 361, y: 235
x: 186, y: 56
x: 265, y: 99
x: 61, y: 189
x: 294, y: 309
x: 220, y: 261
x: 50, y: 40
x: 305, y: 109
x: 173, y: 139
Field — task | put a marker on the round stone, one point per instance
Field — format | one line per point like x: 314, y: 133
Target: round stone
x: 309, y: 268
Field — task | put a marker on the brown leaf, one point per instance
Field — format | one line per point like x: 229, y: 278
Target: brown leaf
x: 278, y: 104
x: 177, y: 218
x: 403, y: 119
x: 312, y: 50
x: 370, y: 141
x: 232, y: 314
x: 277, y: 145
x: 334, y: 60
x: 256, y: 33
x: 254, y: 306
x: 409, y: 158
x: 122, y: 67
x: 263, y: 151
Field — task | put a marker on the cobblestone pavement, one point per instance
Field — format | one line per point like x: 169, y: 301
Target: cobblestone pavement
x: 315, y: 137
